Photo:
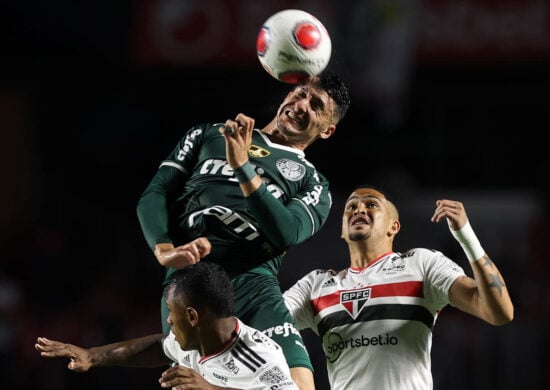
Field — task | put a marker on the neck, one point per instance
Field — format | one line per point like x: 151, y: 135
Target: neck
x: 363, y: 255
x: 216, y: 334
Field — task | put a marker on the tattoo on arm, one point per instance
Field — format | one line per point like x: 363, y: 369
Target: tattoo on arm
x: 497, y: 283
x: 488, y: 261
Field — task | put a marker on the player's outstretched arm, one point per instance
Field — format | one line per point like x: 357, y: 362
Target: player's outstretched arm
x: 140, y: 352
x: 80, y: 358
x: 486, y: 296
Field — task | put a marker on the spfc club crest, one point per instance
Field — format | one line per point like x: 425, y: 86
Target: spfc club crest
x: 354, y: 300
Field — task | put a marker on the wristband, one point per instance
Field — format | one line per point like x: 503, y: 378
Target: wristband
x: 245, y: 172
x: 469, y: 242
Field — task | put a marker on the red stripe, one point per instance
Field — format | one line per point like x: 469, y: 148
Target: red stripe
x: 402, y: 289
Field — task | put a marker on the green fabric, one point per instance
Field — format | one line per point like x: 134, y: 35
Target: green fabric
x: 195, y: 193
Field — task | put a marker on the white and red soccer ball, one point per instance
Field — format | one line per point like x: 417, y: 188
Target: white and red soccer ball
x: 292, y: 45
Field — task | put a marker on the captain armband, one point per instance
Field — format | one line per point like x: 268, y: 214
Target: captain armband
x: 469, y: 242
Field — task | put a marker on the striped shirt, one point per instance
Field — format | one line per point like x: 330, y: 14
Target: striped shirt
x: 250, y: 360
x: 376, y: 322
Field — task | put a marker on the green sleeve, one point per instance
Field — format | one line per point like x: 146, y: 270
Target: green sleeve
x: 284, y: 225
x: 152, y: 208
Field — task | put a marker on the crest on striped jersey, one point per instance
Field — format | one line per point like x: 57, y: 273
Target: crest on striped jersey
x: 354, y: 300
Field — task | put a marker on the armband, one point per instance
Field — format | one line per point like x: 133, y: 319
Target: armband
x: 245, y: 173
x: 469, y: 242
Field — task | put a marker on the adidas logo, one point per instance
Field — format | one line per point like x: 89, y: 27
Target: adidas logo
x: 187, y: 360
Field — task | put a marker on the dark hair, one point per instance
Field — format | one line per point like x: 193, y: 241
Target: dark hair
x: 205, y: 285
x: 337, y: 90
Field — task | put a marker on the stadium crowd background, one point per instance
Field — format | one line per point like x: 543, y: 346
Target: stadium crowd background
x: 450, y: 99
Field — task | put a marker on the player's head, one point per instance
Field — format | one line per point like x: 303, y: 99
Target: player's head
x: 198, y: 293
x: 369, y: 215
x: 311, y: 110
x: 337, y: 90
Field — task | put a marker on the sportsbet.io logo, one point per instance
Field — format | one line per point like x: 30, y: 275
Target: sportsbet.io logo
x: 334, y: 344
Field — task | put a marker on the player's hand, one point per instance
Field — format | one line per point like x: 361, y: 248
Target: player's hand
x: 80, y: 357
x: 179, y: 377
x: 238, y: 137
x: 183, y: 255
x: 453, y: 211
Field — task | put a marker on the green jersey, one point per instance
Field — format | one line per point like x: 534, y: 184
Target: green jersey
x: 195, y: 193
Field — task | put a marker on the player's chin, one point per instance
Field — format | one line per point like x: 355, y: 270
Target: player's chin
x: 292, y: 130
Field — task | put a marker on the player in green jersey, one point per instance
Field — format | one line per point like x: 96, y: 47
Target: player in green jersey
x: 252, y: 194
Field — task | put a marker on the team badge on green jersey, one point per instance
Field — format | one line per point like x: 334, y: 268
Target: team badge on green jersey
x: 291, y: 169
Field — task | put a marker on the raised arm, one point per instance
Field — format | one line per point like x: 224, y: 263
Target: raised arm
x: 301, y: 217
x: 486, y: 295
x: 139, y: 352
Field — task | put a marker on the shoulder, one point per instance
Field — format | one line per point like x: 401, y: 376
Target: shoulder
x: 420, y: 254
x: 431, y: 260
x: 258, y: 341
x: 319, y: 274
x: 204, y: 127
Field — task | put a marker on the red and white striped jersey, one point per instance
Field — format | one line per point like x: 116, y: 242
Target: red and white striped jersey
x: 251, y: 360
x: 376, y: 323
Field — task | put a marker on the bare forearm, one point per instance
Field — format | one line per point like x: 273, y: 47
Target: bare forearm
x: 140, y: 352
x: 493, y: 292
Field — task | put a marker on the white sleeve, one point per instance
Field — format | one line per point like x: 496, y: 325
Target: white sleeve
x: 273, y: 375
x: 298, y: 301
x: 441, y: 272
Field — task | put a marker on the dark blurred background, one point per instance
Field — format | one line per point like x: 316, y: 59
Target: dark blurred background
x: 450, y: 99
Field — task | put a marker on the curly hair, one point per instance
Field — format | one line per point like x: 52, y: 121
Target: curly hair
x: 205, y: 285
x: 337, y: 90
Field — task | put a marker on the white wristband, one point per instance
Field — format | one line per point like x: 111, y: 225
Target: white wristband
x: 469, y: 242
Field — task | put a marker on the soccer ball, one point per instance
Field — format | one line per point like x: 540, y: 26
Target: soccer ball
x: 293, y: 45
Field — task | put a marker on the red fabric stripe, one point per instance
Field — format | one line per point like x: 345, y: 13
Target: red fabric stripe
x: 402, y: 289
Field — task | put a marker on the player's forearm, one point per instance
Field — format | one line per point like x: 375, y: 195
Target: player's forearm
x: 276, y: 220
x: 270, y: 213
x: 249, y: 187
x: 152, y: 214
x: 493, y: 301
x: 139, y: 352
x: 494, y: 298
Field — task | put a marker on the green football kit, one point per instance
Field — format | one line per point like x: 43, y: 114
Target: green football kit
x: 195, y: 193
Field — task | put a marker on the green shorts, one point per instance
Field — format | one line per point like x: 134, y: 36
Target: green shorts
x: 259, y: 303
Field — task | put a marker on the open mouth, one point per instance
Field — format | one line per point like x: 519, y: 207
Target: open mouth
x: 296, y: 119
x: 359, y: 221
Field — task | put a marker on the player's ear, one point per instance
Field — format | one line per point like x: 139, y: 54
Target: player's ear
x: 327, y: 132
x: 192, y: 316
x: 395, y: 226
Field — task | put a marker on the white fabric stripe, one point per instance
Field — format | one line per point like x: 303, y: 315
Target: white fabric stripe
x: 172, y: 164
